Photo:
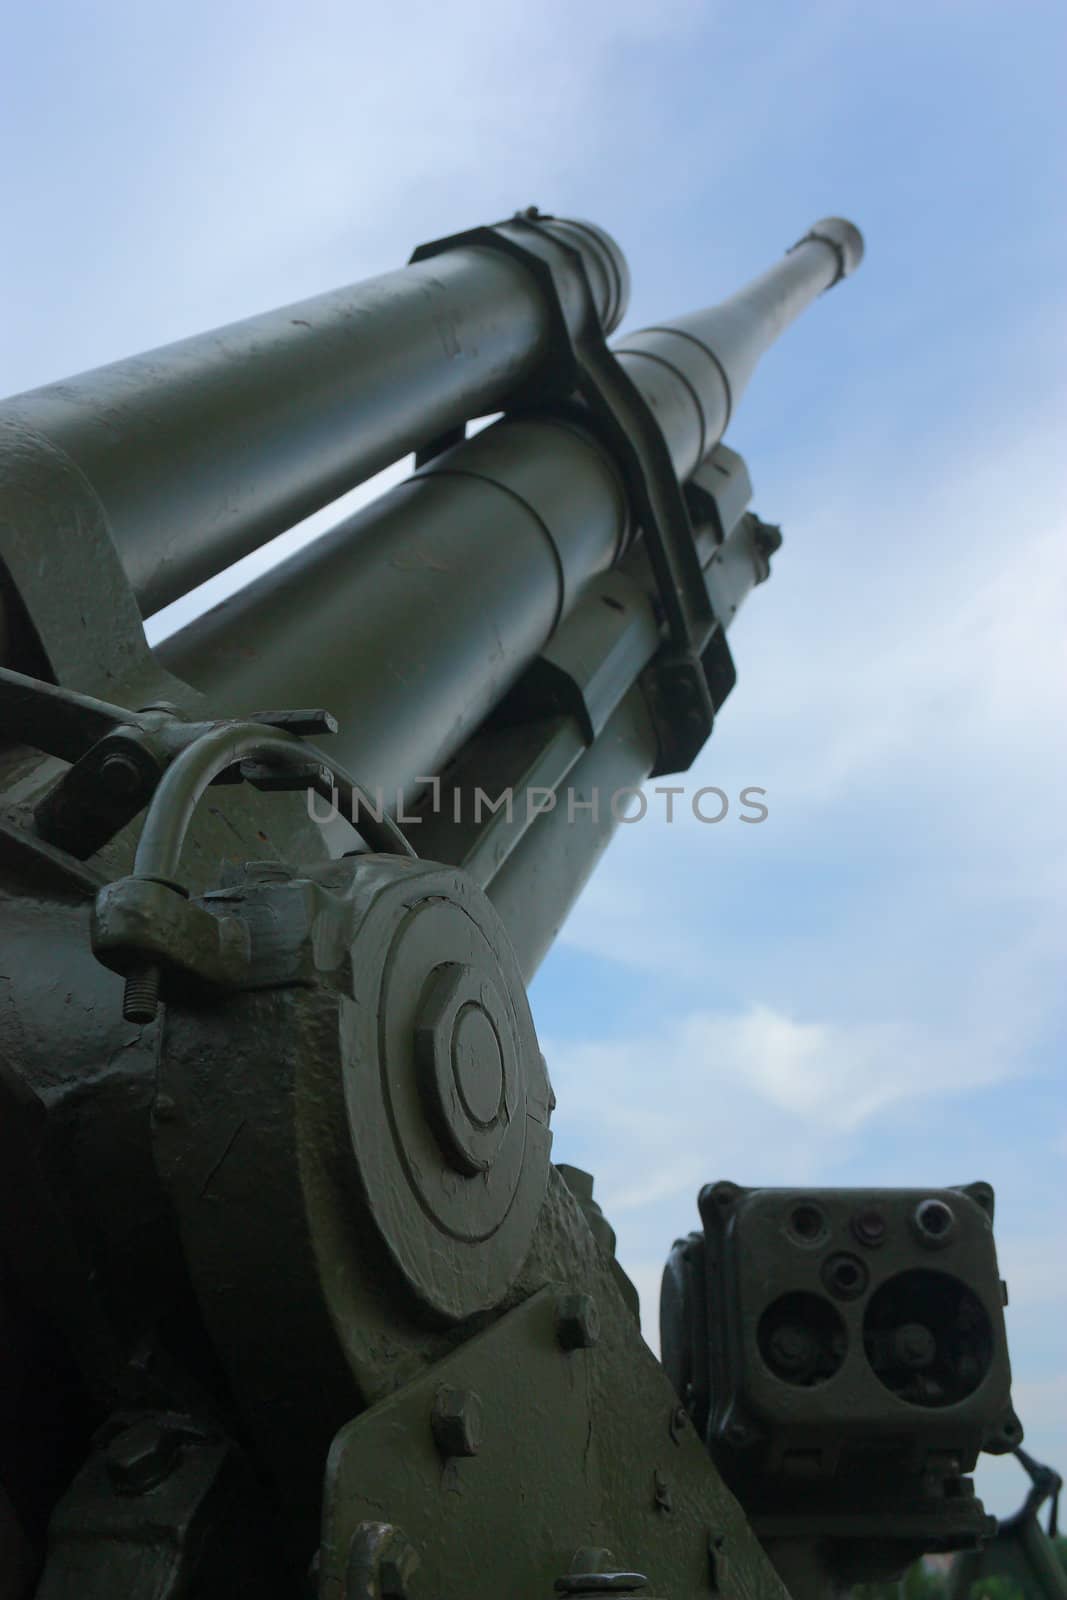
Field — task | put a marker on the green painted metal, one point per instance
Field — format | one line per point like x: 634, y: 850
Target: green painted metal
x: 653, y: 1501
x: 697, y: 367
x: 382, y: 620
x: 297, y: 1301
x: 541, y: 879
x: 558, y: 516
x: 199, y: 452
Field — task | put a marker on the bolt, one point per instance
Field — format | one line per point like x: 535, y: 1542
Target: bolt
x: 381, y: 1563
x: 717, y: 1561
x: 141, y: 1456
x: 577, y: 1321
x: 464, y: 1069
x: 678, y: 1423
x: 393, y: 1574
x: 767, y: 537
x: 121, y: 774
x: 456, y: 1420
x: 140, y: 999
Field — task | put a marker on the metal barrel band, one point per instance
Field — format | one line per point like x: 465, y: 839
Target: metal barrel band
x: 583, y: 368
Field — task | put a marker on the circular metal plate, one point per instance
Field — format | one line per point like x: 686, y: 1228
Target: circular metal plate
x: 445, y: 1088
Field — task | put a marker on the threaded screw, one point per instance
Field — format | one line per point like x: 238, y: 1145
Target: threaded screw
x: 140, y: 999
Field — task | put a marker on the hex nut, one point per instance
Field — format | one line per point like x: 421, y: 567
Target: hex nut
x: 456, y: 1420
x: 577, y: 1321
x: 141, y: 1456
x: 395, y: 1571
x: 466, y: 1069
x: 381, y: 1562
x: 121, y: 775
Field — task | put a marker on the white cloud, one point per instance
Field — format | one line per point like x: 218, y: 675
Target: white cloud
x: 833, y: 1075
x: 1032, y: 1266
x: 901, y: 680
x: 902, y: 698
x: 281, y: 155
x: 764, y: 1091
x: 231, y: 159
x: 1043, y: 1399
x: 1041, y: 1406
x: 762, y: 1097
x: 940, y: 631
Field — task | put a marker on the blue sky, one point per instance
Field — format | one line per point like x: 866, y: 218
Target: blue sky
x: 869, y: 987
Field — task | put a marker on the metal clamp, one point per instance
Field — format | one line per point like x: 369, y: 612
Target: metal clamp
x: 693, y: 672
x: 147, y: 919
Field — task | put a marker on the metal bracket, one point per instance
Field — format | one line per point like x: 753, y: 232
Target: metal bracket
x: 438, y: 446
x: 583, y: 374
x: 123, y: 761
x: 118, y: 758
x: 164, y: 1505
x: 138, y: 921
x: 581, y: 1410
x: 135, y: 929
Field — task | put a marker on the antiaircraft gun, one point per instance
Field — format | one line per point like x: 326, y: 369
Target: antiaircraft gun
x: 293, y: 1301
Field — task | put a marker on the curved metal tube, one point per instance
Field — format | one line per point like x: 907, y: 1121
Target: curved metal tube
x: 191, y: 773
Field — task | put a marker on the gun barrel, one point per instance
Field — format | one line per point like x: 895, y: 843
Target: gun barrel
x: 414, y: 616
x: 411, y: 619
x: 694, y: 369
x: 203, y: 450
